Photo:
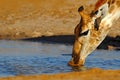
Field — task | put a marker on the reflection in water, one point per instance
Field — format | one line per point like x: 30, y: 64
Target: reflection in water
x: 28, y: 58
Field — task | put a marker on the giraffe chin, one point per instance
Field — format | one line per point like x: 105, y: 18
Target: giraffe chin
x: 80, y: 63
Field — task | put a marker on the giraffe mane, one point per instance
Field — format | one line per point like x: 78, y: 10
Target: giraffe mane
x: 99, y: 3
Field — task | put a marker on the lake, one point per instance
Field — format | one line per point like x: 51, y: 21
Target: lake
x: 19, y: 57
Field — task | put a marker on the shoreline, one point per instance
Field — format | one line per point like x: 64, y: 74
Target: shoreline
x: 91, y: 74
x: 109, y: 43
x: 35, y: 20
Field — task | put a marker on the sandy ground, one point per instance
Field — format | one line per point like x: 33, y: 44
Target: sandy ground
x: 93, y: 74
x: 35, y: 18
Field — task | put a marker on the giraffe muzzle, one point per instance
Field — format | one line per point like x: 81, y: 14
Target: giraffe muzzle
x: 76, y: 58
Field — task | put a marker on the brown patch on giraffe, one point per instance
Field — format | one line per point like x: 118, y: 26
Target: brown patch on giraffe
x: 97, y: 23
x: 78, y: 29
x: 118, y: 3
x: 99, y: 3
x: 111, y: 8
x: 111, y: 2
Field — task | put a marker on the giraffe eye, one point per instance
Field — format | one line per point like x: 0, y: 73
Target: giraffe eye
x: 101, y: 9
x: 84, y: 33
x: 96, y: 12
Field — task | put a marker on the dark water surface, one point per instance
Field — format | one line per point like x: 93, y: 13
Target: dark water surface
x: 30, y: 58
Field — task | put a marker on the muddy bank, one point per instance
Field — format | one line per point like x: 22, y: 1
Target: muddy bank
x: 92, y: 74
x: 28, y: 18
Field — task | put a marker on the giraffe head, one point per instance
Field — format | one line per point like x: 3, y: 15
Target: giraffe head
x: 82, y: 37
x: 88, y: 34
x: 93, y: 28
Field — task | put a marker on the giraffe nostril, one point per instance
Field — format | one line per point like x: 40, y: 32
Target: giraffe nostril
x: 76, y: 58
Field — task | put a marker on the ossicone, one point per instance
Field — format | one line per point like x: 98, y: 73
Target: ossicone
x: 81, y: 8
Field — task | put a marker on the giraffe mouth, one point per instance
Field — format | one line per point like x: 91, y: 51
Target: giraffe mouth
x: 76, y: 62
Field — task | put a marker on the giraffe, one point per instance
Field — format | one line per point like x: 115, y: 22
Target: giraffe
x: 93, y: 28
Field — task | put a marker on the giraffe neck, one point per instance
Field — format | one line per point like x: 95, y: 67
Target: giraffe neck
x: 96, y: 37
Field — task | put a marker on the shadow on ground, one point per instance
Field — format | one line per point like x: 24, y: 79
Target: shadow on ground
x: 69, y: 39
x: 61, y: 39
x: 114, y: 42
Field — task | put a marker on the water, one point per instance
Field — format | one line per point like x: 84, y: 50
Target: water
x: 30, y: 58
